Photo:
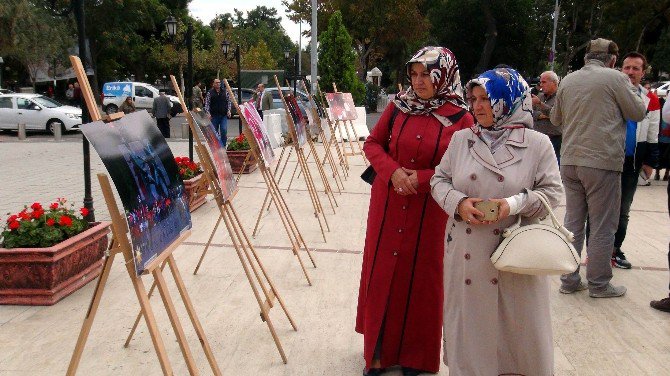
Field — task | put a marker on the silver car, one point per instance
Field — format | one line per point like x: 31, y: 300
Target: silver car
x: 37, y: 112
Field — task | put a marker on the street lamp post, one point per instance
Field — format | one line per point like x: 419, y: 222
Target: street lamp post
x: 225, y: 46
x: 296, y: 74
x: 171, y: 25
x: 1, y: 63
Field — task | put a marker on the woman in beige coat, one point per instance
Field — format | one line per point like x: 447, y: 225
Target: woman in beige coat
x: 495, y: 323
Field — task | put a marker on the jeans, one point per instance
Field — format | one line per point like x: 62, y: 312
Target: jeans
x: 220, y: 123
x: 628, y: 187
x: 594, y: 193
x: 556, y: 142
x: 164, y: 126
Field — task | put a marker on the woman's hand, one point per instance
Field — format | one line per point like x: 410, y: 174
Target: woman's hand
x: 503, y: 208
x: 466, y: 209
x: 402, y: 183
x: 413, y: 177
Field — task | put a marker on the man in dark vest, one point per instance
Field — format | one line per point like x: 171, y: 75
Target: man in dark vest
x: 217, y: 105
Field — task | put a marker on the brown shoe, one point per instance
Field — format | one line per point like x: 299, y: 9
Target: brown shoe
x: 661, y: 305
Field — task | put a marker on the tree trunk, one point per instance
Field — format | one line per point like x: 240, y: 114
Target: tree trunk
x: 491, y: 35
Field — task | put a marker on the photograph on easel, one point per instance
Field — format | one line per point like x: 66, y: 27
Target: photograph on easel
x: 218, y: 152
x: 341, y: 106
x: 298, y: 119
x: 260, y: 133
x: 146, y: 177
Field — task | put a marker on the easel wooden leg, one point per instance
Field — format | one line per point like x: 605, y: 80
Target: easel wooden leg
x: 192, y: 315
x: 92, y: 310
x: 209, y: 242
x: 316, y: 202
x: 244, y: 165
x: 328, y: 157
x: 139, y: 314
x: 358, y: 142
x: 174, y: 320
x: 324, y: 178
x: 339, y: 125
x: 267, y: 194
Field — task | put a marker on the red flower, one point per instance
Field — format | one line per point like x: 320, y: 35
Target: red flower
x: 193, y: 166
x: 65, y: 221
x: 182, y: 171
x: 167, y: 202
x: 178, y: 159
x: 12, y: 218
x: 13, y: 225
x: 37, y: 214
x: 53, y: 206
x: 36, y: 206
x: 84, y: 212
x: 240, y: 138
x: 24, y: 216
x: 50, y: 222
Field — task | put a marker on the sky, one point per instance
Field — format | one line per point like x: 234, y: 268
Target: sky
x: 206, y: 10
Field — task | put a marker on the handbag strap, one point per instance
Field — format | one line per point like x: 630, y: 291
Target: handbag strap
x: 387, y: 147
x: 557, y: 225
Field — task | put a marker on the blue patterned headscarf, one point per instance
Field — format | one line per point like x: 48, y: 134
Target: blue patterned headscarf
x: 509, y: 95
x: 443, y: 68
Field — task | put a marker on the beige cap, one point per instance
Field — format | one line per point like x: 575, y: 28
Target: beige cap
x: 602, y: 45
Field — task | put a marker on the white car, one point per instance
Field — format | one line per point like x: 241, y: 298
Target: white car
x: 661, y: 88
x: 114, y: 93
x: 37, y: 112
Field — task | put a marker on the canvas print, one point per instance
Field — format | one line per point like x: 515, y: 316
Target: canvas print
x: 341, y: 106
x: 147, y: 180
x: 298, y: 119
x: 218, y: 152
x: 260, y: 133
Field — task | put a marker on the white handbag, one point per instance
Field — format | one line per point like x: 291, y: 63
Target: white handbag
x: 537, y: 249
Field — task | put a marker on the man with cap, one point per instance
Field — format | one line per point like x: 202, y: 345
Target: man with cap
x: 592, y: 105
x: 161, y: 110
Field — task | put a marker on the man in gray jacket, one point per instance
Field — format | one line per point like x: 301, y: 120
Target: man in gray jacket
x: 592, y: 105
x: 161, y: 111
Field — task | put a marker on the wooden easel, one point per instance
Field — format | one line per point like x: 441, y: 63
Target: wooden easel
x: 120, y: 244
x: 244, y: 248
x: 339, y: 124
x: 311, y: 187
x: 332, y: 140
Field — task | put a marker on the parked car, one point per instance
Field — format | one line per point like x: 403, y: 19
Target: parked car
x: 6, y: 91
x: 247, y: 95
x: 37, y: 112
x: 303, y: 99
x: 660, y: 88
x: 114, y: 93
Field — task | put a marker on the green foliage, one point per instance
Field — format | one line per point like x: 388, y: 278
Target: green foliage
x: 239, y: 143
x: 36, y: 227
x: 661, y: 59
x: 337, y: 60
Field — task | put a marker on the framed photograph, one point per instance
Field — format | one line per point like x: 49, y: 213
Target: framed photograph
x: 298, y: 119
x: 341, y: 106
x: 147, y: 180
x: 218, y: 152
x: 260, y: 133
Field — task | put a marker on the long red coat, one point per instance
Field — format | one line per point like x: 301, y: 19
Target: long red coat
x: 401, y: 279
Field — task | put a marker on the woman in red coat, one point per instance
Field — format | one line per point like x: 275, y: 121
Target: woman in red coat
x: 400, y: 296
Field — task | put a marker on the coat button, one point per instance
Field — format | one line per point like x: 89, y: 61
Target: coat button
x: 473, y: 177
x: 494, y: 281
x: 496, y: 232
x: 468, y: 281
x: 468, y: 230
x: 467, y: 256
x: 399, y: 230
x: 501, y: 179
x: 418, y: 136
x: 404, y: 207
x: 395, y: 253
x: 412, y: 160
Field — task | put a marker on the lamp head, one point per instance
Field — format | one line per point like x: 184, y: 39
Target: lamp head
x: 225, y: 45
x: 171, y: 26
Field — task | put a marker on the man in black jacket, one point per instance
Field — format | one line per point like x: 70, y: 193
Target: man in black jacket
x: 217, y: 105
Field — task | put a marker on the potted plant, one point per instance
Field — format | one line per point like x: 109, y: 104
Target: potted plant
x: 194, y: 183
x: 237, y: 151
x: 48, y: 253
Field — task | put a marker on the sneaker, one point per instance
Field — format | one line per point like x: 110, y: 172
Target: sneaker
x: 619, y: 260
x: 581, y: 287
x: 608, y: 292
x: 661, y: 305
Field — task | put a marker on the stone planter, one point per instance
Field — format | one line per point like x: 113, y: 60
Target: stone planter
x: 43, y: 276
x: 196, y: 191
x: 237, y: 157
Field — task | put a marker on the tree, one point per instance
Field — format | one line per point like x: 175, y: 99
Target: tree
x: 337, y: 60
x: 259, y: 57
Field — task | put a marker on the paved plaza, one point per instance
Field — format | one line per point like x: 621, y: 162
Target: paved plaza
x: 592, y: 336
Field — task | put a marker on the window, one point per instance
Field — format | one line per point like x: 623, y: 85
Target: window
x: 25, y: 104
x: 143, y: 92
x: 5, y: 102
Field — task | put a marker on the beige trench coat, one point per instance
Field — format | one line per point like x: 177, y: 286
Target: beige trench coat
x: 494, y: 322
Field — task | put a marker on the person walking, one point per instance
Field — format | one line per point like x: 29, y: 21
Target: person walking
x: 542, y: 105
x: 218, y: 105
x: 400, y: 295
x: 495, y: 323
x: 76, y: 95
x: 128, y: 106
x: 262, y: 101
x: 161, y: 110
x: 589, y: 106
x: 197, y: 99
x: 69, y: 93
x: 641, y: 150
